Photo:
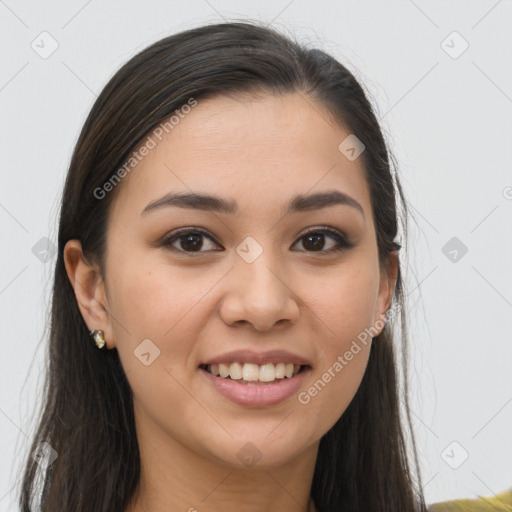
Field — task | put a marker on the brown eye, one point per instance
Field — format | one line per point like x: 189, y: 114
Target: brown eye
x: 188, y: 240
x: 314, y: 241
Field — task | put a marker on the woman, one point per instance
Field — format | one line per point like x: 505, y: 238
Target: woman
x: 226, y: 292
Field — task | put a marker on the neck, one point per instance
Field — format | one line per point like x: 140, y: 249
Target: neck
x: 174, y: 477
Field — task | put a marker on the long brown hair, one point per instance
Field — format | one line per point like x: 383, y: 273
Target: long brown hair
x: 86, y: 415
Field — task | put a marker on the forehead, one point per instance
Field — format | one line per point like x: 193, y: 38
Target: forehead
x: 259, y: 151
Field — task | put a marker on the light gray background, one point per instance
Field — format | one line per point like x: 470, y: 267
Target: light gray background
x: 448, y: 122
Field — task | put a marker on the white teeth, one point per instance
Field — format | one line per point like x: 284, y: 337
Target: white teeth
x: 250, y: 372
x: 223, y: 370
x: 235, y: 371
x: 267, y: 373
x: 280, y: 367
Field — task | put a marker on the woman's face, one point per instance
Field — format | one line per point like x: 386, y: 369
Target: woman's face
x: 248, y: 280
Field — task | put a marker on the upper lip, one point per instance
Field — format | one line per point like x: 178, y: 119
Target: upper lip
x: 250, y: 356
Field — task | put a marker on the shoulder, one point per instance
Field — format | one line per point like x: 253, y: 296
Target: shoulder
x: 500, y: 502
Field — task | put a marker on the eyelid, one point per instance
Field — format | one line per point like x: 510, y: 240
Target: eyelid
x: 344, y: 242
x: 326, y: 229
x: 168, y: 239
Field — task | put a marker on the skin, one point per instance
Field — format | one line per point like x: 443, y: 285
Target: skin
x: 259, y: 151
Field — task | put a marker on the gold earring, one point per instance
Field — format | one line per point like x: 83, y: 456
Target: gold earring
x: 99, y: 338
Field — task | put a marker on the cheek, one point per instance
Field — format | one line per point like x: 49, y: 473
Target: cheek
x: 154, y: 326
x: 155, y: 301
x: 343, y: 358
x: 329, y: 393
x: 345, y: 303
x: 152, y: 298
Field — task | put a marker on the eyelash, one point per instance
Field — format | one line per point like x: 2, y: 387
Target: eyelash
x: 341, y: 239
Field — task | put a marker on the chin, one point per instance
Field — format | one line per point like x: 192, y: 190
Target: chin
x: 257, y: 451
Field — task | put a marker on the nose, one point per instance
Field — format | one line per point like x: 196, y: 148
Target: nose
x: 259, y: 295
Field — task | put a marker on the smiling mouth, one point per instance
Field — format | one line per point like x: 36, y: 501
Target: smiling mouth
x: 254, y: 374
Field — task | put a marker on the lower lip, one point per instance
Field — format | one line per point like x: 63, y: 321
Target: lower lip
x: 257, y: 395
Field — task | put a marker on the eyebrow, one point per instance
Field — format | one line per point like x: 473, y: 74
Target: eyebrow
x: 209, y: 203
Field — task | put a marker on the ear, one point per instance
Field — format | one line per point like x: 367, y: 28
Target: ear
x: 388, y: 277
x: 89, y: 290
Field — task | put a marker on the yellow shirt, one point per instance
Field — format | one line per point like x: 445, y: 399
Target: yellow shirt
x: 500, y: 502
